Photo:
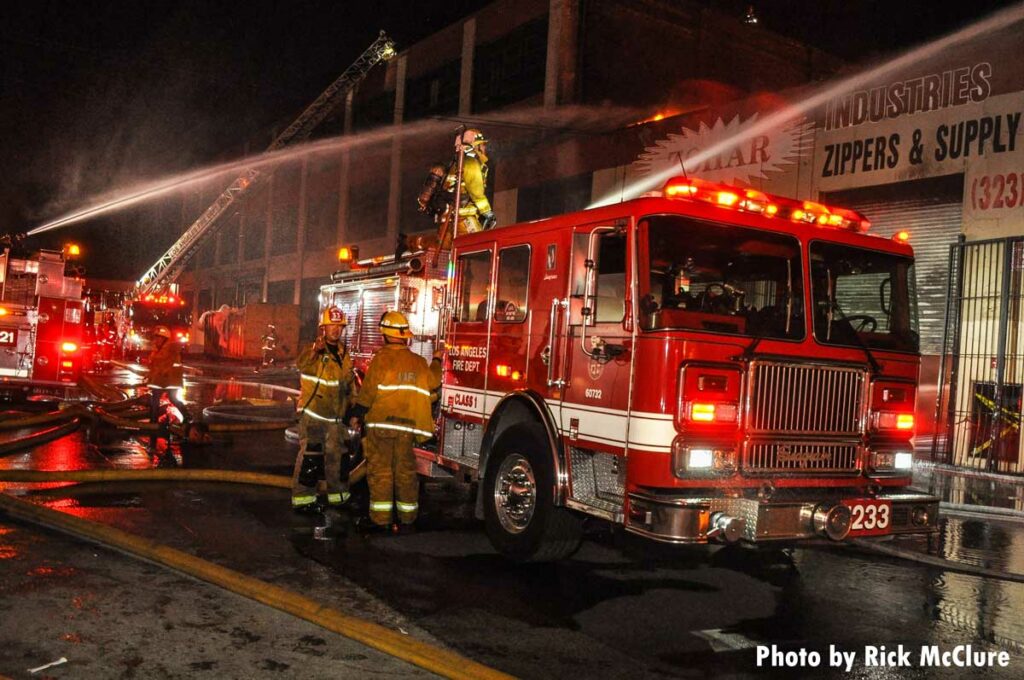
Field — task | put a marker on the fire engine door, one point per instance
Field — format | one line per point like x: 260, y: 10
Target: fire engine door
x: 597, y: 348
x: 465, y: 391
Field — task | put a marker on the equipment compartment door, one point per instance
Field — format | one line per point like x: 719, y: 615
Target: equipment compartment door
x: 599, y: 345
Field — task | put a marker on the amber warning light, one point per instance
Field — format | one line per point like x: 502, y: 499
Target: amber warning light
x: 751, y: 200
x: 348, y: 254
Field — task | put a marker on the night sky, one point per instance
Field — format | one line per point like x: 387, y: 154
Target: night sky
x: 98, y: 94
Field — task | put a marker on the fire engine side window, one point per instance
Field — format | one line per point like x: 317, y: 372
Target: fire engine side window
x: 513, y: 276
x: 475, y: 279
x: 611, y: 278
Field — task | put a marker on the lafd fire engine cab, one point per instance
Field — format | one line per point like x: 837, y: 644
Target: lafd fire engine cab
x: 144, y: 314
x: 41, y: 321
x: 704, y: 363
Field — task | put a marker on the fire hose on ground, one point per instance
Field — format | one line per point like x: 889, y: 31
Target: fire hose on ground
x: 931, y: 560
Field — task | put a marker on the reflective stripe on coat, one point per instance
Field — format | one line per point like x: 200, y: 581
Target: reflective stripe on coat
x: 397, y: 393
x: 325, y: 383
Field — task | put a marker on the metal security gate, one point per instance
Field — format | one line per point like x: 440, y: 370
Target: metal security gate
x: 981, y: 377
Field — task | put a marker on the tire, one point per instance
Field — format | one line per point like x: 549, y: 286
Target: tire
x: 526, y: 527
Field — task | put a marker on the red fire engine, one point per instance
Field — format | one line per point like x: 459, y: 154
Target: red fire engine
x: 144, y: 314
x: 704, y: 363
x: 41, y: 318
x: 366, y: 289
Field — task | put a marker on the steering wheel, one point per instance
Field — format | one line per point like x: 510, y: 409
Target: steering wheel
x: 706, y: 297
x: 863, y: 323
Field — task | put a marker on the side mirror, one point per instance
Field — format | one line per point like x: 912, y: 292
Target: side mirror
x: 885, y: 295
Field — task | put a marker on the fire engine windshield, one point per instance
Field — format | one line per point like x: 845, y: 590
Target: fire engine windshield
x: 720, y: 278
x: 153, y: 315
x: 863, y: 297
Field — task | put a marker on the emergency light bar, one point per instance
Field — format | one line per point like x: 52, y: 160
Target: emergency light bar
x: 162, y: 299
x: 751, y: 200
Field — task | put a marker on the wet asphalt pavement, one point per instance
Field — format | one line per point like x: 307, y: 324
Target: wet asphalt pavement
x: 619, y: 608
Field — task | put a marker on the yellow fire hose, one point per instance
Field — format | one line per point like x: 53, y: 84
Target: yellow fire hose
x: 129, y: 424
x: 39, y: 419
x: 147, y: 475
x: 101, y: 390
x: 39, y: 437
x: 161, y: 475
x: 426, y: 656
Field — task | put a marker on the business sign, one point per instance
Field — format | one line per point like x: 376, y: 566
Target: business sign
x: 729, y: 152
x: 935, y: 124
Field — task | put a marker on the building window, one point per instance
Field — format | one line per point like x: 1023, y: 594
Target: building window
x: 322, y: 204
x: 556, y: 197
x: 369, y: 188
x: 285, y: 213
x: 254, y: 237
x: 309, y: 308
x: 204, y: 301
x: 433, y: 94
x: 513, y: 281
x: 511, y: 68
x: 206, y: 254
x: 281, y: 292
x: 474, y: 285
x: 226, y: 296
x: 228, y: 253
x: 374, y: 111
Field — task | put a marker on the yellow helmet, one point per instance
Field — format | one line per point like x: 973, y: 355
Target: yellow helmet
x: 395, y: 325
x: 472, y: 142
x: 162, y: 332
x: 333, y: 316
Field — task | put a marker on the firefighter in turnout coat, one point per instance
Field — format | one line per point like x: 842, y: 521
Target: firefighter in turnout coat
x: 166, y: 376
x: 394, y: 401
x: 326, y: 376
x: 475, y: 213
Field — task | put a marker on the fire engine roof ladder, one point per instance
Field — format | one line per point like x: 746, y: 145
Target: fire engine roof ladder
x: 173, y: 262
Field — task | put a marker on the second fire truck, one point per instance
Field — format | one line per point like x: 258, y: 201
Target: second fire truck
x: 707, y: 363
x: 144, y: 314
x: 41, y: 323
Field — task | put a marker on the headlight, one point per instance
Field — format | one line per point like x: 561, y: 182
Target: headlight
x: 699, y: 459
x: 702, y: 460
x: 888, y: 462
x: 903, y: 460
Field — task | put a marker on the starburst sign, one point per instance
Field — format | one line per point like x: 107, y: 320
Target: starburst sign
x: 723, y: 153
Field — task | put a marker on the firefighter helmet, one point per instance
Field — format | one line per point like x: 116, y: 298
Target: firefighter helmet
x: 162, y: 332
x: 333, y: 316
x: 395, y: 325
x: 472, y: 141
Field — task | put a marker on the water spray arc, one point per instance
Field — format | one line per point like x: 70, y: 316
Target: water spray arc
x: 178, y: 255
x: 997, y: 21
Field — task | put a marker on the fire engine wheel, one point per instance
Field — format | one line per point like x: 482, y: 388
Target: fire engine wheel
x: 521, y: 519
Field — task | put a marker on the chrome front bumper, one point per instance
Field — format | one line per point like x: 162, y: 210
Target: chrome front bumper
x: 679, y: 519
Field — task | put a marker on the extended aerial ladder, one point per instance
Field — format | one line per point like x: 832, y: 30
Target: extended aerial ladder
x: 173, y: 262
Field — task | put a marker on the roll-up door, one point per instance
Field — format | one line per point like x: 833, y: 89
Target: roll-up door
x: 931, y: 211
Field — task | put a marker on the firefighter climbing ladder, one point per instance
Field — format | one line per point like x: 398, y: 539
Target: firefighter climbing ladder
x: 171, y: 263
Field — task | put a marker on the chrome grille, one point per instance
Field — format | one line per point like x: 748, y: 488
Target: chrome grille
x: 805, y: 399
x: 810, y: 457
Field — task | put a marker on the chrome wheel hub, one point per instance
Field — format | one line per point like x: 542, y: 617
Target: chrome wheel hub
x: 515, y: 493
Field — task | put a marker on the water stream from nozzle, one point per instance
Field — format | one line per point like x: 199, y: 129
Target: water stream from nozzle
x: 778, y: 119
x: 581, y: 118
